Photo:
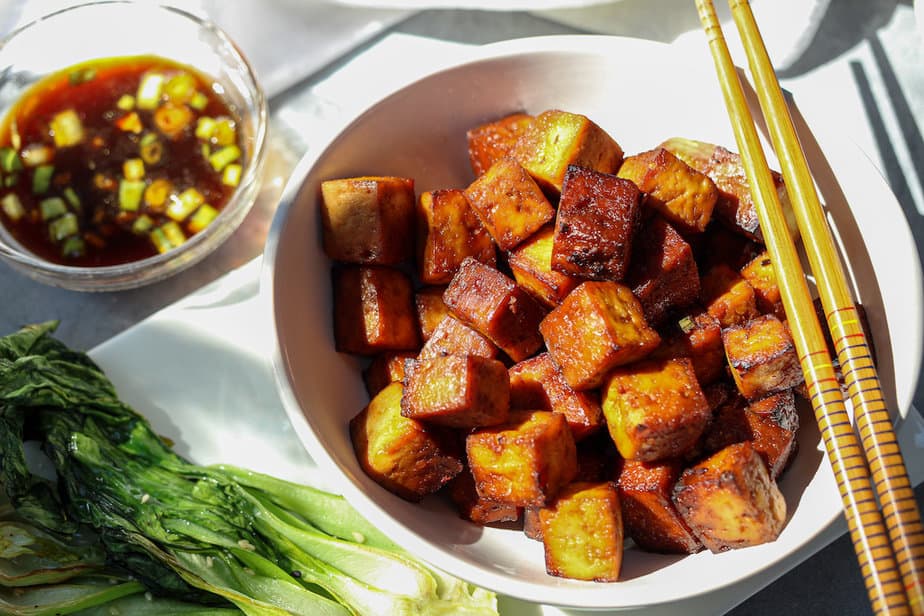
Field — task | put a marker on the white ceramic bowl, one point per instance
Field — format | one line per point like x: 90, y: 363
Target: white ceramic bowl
x: 641, y: 93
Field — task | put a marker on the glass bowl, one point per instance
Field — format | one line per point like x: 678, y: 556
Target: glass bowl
x: 117, y: 29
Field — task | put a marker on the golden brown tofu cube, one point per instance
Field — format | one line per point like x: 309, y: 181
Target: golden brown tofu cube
x: 524, y: 462
x: 453, y: 337
x: 598, y: 216
x: 490, y: 142
x: 558, y: 139
x: 537, y: 383
x: 699, y: 337
x: 475, y: 509
x: 448, y: 231
x: 683, y: 195
x: 599, y: 326
x: 648, y: 513
x: 493, y: 305
x: 582, y: 533
x: 373, y: 310
x: 762, y: 356
x: 727, y: 296
x: 458, y: 391
x: 730, y: 501
x: 402, y: 455
x: 368, y: 220
x: 759, y: 274
x: 384, y: 369
x: 663, y: 273
x: 531, y: 264
x: 509, y: 203
x: 655, y: 408
x: 431, y: 309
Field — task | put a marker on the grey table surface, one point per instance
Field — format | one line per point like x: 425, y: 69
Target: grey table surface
x: 877, y: 41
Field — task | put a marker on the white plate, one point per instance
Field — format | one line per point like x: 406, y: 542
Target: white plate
x: 641, y: 93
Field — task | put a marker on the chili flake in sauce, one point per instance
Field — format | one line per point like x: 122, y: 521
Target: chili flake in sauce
x: 116, y: 160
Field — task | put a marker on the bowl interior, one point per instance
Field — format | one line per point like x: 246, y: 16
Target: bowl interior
x: 641, y: 93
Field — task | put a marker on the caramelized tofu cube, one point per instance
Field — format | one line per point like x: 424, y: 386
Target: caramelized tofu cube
x: 699, y: 337
x: 368, y: 220
x: 598, y: 216
x: 537, y: 383
x: 730, y: 501
x: 727, y: 296
x: 476, y: 509
x: 655, y: 409
x: 402, y: 455
x: 524, y: 462
x: 683, y: 195
x: 759, y: 274
x: 384, y: 369
x: 448, y: 231
x: 663, y: 273
x: 648, y: 513
x: 493, y: 304
x: 558, y: 139
x: 531, y: 264
x: 453, y: 337
x: 762, y: 356
x: 431, y: 309
x: 490, y: 142
x: 509, y: 203
x: 458, y: 391
x: 373, y: 310
x: 582, y: 533
x: 599, y: 326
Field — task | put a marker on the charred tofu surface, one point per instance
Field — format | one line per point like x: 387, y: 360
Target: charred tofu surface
x: 448, y: 231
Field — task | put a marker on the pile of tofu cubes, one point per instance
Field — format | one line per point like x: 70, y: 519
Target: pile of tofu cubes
x: 584, y: 346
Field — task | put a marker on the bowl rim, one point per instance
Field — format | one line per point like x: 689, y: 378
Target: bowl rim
x: 125, y: 275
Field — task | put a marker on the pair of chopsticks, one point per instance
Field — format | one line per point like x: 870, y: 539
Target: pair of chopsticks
x: 867, y: 463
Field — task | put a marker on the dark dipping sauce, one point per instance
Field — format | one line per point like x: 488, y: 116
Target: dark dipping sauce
x: 141, y: 152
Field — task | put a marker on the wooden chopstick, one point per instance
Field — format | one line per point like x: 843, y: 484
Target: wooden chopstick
x: 864, y: 520
x: 890, y: 478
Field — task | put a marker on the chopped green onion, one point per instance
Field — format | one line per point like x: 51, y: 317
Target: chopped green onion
x: 36, y: 154
x: 232, y: 175
x: 130, y: 192
x: 72, y: 198
x: 199, y: 101
x: 142, y: 224
x: 686, y: 324
x: 151, y: 149
x: 225, y: 156
x: 205, y: 126
x: 63, y: 226
x: 202, y: 218
x: 67, y: 128
x: 52, y: 207
x: 149, y: 91
x: 180, y: 88
x: 160, y: 241
x: 225, y: 133
x: 173, y: 232
x: 185, y: 204
x: 10, y: 180
x: 12, y: 206
x: 126, y: 102
x: 9, y: 160
x: 133, y: 169
x: 73, y: 246
x: 41, y: 179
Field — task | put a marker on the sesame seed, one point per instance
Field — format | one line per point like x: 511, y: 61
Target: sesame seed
x: 145, y: 498
x: 358, y: 537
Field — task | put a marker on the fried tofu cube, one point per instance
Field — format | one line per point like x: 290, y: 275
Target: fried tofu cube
x: 431, y: 309
x: 475, y: 509
x: 699, y: 337
x: 762, y: 356
x: 457, y: 391
x: 680, y: 193
x: 368, y: 220
x: 582, y: 533
x: 509, y: 203
x: 373, y: 310
x: 524, y: 462
x: 402, y: 455
x: 730, y: 501
x: 598, y: 216
x: 531, y: 264
x: 648, y: 513
x: 558, y: 139
x: 663, y: 273
x: 384, y: 369
x: 727, y: 295
x: 537, y: 383
x: 490, y: 142
x: 655, y: 408
x: 759, y: 274
x: 493, y: 305
x: 448, y: 230
x: 453, y: 337
x: 774, y: 421
x: 599, y: 326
